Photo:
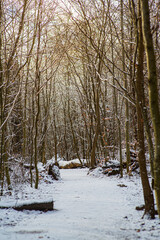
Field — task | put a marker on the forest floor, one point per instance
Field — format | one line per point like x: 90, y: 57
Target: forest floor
x: 88, y: 207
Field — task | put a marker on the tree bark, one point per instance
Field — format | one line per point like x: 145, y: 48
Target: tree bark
x: 37, y: 97
x: 147, y: 192
x: 126, y: 100
x: 153, y: 94
x: 1, y: 105
x: 115, y: 106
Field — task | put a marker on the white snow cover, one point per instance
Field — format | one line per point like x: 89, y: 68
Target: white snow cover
x: 87, y: 208
x: 63, y: 163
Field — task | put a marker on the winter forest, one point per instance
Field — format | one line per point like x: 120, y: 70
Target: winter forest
x: 79, y: 103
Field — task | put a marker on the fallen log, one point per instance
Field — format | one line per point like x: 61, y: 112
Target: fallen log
x: 40, y: 206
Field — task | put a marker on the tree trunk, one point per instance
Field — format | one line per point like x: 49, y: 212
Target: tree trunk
x: 75, y: 142
x: 1, y: 105
x: 37, y: 98
x: 115, y: 106
x: 147, y: 192
x: 97, y: 130
x: 153, y: 95
x: 126, y: 100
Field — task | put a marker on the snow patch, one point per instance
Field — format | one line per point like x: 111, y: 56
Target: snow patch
x: 97, y: 172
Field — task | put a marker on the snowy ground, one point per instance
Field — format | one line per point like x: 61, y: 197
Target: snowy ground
x: 87, y: 208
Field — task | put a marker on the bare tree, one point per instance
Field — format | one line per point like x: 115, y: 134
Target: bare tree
x: 153, y: 94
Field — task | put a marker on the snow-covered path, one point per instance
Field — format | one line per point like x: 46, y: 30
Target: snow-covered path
x: 88, y: 208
